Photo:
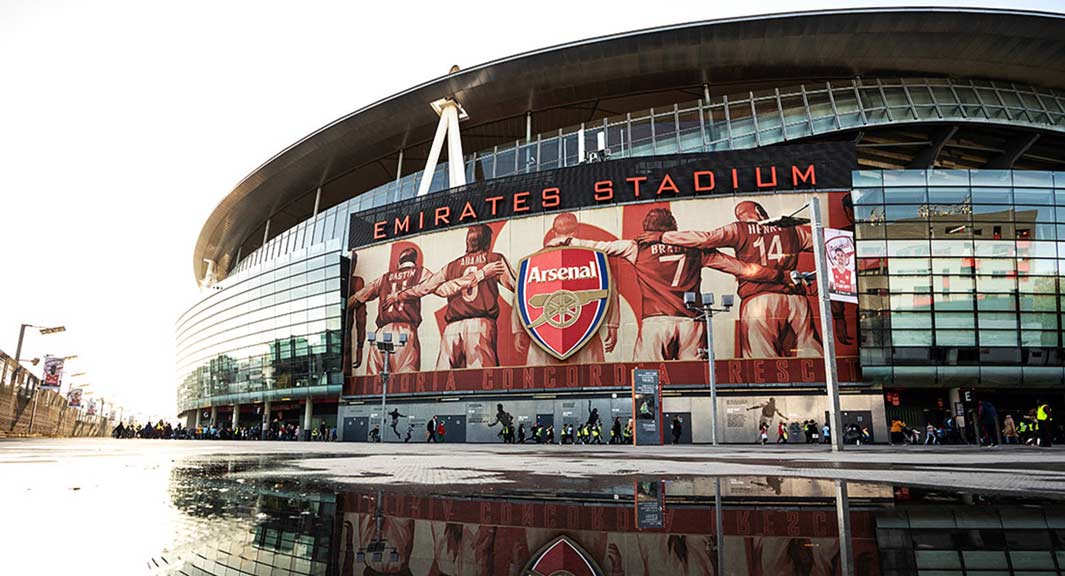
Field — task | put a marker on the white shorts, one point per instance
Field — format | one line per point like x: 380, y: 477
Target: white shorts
x: 778, y: 326
x: 669, y: 338
x: 468, y: 343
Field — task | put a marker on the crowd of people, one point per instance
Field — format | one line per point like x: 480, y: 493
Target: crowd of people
x: 276, y: 430
x: 1032, y: 428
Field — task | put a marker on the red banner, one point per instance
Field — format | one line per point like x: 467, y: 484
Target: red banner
x: 729, y: 372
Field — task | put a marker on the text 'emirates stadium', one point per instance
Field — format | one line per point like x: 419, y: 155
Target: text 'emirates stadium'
x: 514, y: 242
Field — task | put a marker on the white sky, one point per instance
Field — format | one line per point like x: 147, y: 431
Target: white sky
x: 123, y: 124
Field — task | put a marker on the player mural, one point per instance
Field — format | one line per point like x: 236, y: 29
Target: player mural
x: 597, y: 287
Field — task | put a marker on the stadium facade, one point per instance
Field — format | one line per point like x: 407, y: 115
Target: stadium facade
x: 638, y: 167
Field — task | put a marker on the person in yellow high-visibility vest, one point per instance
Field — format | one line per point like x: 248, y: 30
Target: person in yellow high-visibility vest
x: 1044, y: 418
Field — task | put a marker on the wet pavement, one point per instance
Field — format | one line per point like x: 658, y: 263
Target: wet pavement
x: 183, y: 507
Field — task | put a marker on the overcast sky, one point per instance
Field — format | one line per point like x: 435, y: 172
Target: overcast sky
x: 123, y: 124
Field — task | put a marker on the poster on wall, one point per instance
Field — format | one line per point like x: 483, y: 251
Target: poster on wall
x: 646, y: 409
x: 74, y: 398
x: 577, y: 278
x: 840, y: 255
x: 53, y: 373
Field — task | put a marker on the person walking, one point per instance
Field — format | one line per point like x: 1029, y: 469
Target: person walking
x: 521, y: 433
x: 763, y: 433
x: 782, y: 433
x: 826, y: 434
x: 1044, y: 419
x: 988, y: 419
x: 677, y: 429
x: 430, y: 430
x: 1009, y: 430
x: 897, y: 432
x: 930, y: 435
x: 615, y: 431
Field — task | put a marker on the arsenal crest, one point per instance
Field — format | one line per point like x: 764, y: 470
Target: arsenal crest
x: 562, y: 297
x: 561, y: 557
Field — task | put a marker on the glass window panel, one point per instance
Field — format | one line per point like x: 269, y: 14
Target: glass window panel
x: 987, y: 284
x: 911, y: 337
x: 1031, y: 560
x: 985, y: 195
x: 1004, y: 338
x: 869, y: 231
x: 955, y: 337
x: 951, y: 230
x: 1037, y: 284
x: 953, y: 301
x: 869, y: 178
x: 996, y: 301
x: 997, y: 320
x: 952, y: 248
x: 911, y: 284
x: 1030, y: 249
x: 905, y: 212
x: 953, y: 266
x: 872, y: 248
x: 1034, y: 303
x: 905, y: 178
x: 898, y: 248
x: 996, y: 248
x: 910, y: 302
x: 996, y: 266
x: 1033, y: 213
x: 948, y: 178
x: 953, y: 284
x: 909, y: 320
x: 1033, y: 179
x: 1033, y: 195
x: 869, y: 213
x: 1037, y: 266
x: 956, y: 320
x: 864, y: 196
x: 1041, y: 340
x: 906, y: 195
x: 991, y: 177
x: 1039, y: 321
x: 899, y: 266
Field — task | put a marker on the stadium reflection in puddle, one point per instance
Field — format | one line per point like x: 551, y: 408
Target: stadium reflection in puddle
x: 237, y: 523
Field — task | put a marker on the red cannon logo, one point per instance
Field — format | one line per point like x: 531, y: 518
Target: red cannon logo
x: 562, y: 297
x: 561, y: 557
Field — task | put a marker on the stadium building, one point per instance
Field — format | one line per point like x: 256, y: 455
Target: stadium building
x: 528, y: 229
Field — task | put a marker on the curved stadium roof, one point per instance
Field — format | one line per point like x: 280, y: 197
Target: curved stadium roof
x: 1024, y: 47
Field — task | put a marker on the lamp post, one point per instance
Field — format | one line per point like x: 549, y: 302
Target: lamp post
x: 387, y: 348
x: 703, y: 304
x: 44, y: 330
x: 828, y: 336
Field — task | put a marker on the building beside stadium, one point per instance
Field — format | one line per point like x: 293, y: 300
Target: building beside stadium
x: 602, y: 180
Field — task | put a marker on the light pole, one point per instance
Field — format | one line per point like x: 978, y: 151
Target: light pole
x: 824, y: 303
x: 18, y: 350
x: 387, y: 348
x: 704, y: 305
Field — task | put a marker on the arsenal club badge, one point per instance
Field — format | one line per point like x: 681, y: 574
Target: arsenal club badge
x: 561, y: 557
x: 562, y: 297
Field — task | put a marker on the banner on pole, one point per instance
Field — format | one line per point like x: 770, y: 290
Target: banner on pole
x: 92, y: 408
x: 74, y: 398
x: 839, y: 253
x: 53, y: 373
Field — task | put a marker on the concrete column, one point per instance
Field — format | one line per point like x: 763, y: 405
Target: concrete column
x: 214, y: 415
x: 266, y: 418
x: 236, y: 415
x: 308, y: 411
x: 199, y: 412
